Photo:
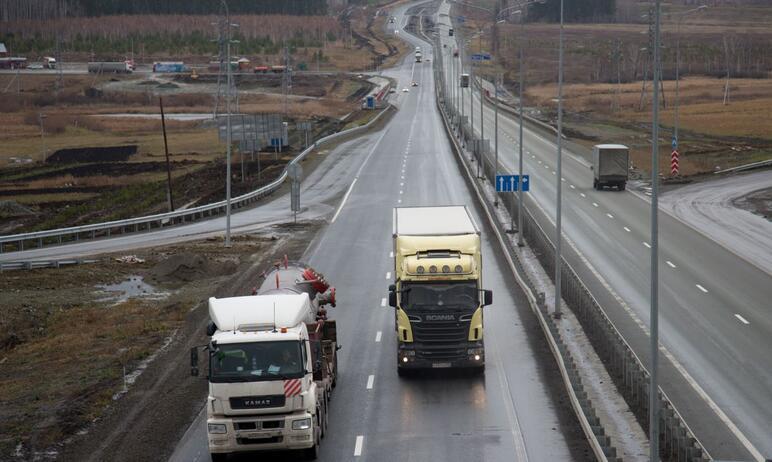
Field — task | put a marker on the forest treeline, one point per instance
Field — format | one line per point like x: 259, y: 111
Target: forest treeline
x: 11, y: 10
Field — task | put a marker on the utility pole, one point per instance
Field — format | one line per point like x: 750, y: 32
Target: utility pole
x: 44, y: 153
x: 169, y: 196
x: 654, y: 314
x: 558, y: 215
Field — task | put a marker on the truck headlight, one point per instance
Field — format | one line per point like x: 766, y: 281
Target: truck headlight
x: 301, y: 424
x: 218, y: 429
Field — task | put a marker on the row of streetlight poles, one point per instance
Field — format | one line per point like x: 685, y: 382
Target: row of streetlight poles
x: 654, y: 311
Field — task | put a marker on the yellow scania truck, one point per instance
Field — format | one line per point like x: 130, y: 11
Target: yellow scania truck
x: 437, y: 290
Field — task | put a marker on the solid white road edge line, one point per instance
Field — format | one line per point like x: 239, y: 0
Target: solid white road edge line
x: 343, y: 202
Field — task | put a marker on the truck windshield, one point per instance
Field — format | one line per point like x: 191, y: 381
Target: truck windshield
x: 251, y: 362
x: 422, y: 296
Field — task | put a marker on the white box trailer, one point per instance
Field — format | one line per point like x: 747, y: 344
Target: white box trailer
x: 610, y: 164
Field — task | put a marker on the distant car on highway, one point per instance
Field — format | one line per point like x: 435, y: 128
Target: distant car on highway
x: 35, y: 66
x: 415, y: 84
x: 405, y: 90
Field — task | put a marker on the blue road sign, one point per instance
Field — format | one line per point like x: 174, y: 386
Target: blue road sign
x: 674, y: 144
x: 511, y: 183
x: 370, y: 102
x: 461, y: 19
x: 481, y: 57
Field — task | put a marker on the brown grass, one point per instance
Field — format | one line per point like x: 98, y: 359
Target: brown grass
x: 748, y: 113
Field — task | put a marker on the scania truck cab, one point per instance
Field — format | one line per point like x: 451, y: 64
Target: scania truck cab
x: 437, y: 291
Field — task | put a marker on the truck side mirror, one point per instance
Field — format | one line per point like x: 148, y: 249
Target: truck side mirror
x: 393, y: 299
x: 194, y: 362
x: 487, y: 297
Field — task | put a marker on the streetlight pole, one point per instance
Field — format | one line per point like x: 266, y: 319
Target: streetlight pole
x: 481, y: 157
x: 654, y: 314
x: 520, y: 129
x: 228, y: 131
x: 496, y: 135
x: 558, y: 230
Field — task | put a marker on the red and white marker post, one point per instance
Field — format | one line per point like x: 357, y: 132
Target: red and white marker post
x: 674, y: 163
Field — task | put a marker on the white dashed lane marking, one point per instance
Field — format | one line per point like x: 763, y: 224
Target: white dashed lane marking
x: 742, y: 320
x: 610, y: 215
x: 627, y: 229
x: 647, y: 244
x: 388, y: 275
x: 370, y: 380
x: 702, y: 288
x: 378, y: 336
x: 358, y: 445
x: 383, y: 301
x: 670, y: 264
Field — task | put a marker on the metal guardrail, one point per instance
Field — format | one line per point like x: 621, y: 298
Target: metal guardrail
x: 108, y: 229
x: 17, y: 265
x: 741, y: 168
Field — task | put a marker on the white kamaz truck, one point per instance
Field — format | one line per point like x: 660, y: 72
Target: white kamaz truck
x: 272, y: 365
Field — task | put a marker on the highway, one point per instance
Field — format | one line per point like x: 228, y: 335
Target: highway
x: 514, y: 412
x: 714, y: 305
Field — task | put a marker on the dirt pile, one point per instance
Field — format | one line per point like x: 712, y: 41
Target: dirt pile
x: 188, y: 267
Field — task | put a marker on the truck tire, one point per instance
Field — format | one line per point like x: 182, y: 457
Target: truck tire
x: 595, y: 184
x: 218, y: 457
x: 622, y: 186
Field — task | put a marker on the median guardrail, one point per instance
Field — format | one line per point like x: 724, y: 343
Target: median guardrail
x: 61, y: 236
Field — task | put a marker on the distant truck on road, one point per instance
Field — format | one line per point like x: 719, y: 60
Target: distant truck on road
x: 107, y: 67
x: 437, y: 290
x: 610, y: 164
x: 418, y: 56
x: 272, y: 365
x: 170, y: 67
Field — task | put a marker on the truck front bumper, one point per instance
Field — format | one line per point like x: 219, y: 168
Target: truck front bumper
x: 416, y: 356
x: 259, y: 433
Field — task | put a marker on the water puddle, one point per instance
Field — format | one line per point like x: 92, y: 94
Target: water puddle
x: 133, y: 287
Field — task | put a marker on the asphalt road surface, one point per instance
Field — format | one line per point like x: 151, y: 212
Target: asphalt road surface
x: 513, y: 412
x: 714, y: 305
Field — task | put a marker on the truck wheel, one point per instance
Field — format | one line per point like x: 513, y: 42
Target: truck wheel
x: 326, y: 419
x: 622, y: 186
x: 402, y: 372
x: 218, y: 457
x: 595, y: 184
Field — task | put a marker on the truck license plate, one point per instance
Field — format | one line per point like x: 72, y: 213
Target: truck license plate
x: 440, y: 365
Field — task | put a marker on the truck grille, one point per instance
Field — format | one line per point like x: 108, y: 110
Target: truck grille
x: 441, y: 340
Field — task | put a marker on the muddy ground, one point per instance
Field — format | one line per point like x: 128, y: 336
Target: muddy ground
x: 758, y: 202
x: 64, y: 344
